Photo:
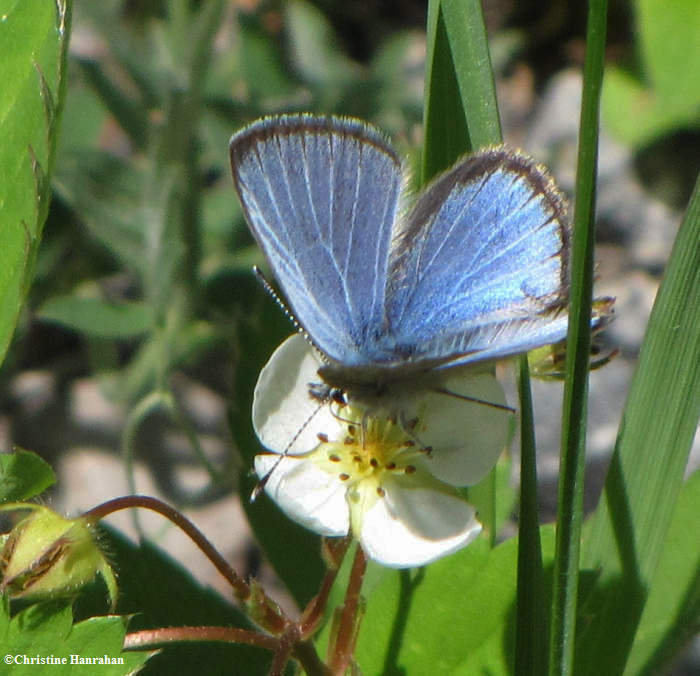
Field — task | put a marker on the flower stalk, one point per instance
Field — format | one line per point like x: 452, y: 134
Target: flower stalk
x: 285, y: 637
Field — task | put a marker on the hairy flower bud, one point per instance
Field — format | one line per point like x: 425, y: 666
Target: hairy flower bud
x: 46, y: 555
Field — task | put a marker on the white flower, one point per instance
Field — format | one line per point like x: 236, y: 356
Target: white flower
x: 387, y: 472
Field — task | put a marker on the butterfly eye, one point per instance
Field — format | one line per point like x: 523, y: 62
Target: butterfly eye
x: 337, y: 396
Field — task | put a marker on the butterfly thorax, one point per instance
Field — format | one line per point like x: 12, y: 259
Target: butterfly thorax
x: 376, y: 385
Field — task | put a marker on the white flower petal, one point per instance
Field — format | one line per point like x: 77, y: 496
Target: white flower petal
x: 306, y: 494
x: 466, y: 437
x: 284, y: 412
x: 402, y: 519
x: 415, y: 523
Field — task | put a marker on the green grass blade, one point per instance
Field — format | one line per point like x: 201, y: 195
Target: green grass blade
x: 454, y: 104
x: 460, y: 111
x: 671, y: 616
x: 646, y: 471
x: 570, y: 502
x: 531, y: 635
x: 34, y: 39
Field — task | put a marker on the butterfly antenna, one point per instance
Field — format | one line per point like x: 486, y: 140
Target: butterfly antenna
x: 276, y: 297
x: 475, y: 400
x: 287, y: 311
x: 260, y: 486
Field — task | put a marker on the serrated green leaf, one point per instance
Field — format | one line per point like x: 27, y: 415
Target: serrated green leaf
x: 46, y: 631
x: 98, y: 318
x: 139, y: 52
x: 33, y: 35
x: 132, y: 117
x: 100, y: 637
x: 84, y: 117
x: 48, y: 623
x: 23, y: 474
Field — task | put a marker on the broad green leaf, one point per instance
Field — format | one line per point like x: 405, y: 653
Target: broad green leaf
x: 671, y: 616
x: 105, y: 192
x: 23, y: 475
x: 670, y: 49
x: 455, y: 616
x: 626, y: 98
x: 646, y: 471
x: 314, y: 47
x: 98, y: 318
x: 34, y: 37
x: 667, y: 95
x: 46, y: 630
x: 261, y: 62
x: 494, y: 497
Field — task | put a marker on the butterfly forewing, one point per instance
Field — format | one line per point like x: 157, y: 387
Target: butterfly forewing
x: 321, y: 195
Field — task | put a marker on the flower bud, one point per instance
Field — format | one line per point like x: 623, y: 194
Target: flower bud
x: 46, y: 556
x: 547, y: 362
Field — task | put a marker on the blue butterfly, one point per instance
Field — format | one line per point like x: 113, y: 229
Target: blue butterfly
x: 475, y: 270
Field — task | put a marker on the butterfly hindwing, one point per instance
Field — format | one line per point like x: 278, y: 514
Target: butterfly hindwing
x: 479, y: 267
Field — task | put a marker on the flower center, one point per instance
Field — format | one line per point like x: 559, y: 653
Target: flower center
x: 368, y: 448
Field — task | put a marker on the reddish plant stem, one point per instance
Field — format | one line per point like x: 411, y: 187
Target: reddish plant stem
x: 305, y: 652
x: 349, y: 621
x: 148, y: 638
x: 271, y: 620
x: 280, y: 660
x: 313, y: 613
x: 284, y: 651
x: 290, y: 634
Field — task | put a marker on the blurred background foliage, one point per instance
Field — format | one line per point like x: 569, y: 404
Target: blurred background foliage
x: 144, y: 270
x: 145, y: 250
x: 143, y: 278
